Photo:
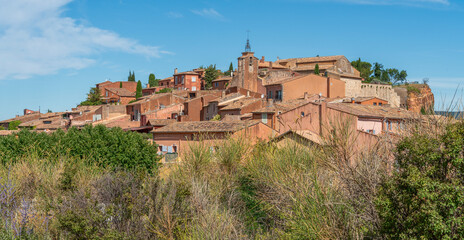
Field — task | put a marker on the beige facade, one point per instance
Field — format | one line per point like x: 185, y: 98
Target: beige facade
x: 355, y: 88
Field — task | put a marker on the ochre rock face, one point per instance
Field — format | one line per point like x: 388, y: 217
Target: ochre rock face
x: 424, y: 100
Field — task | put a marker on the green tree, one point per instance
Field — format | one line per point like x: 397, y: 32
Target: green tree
x: 364, y: 69
x: 13, y: 125
x: 231, y: 69
x: 424, y: 199
x: 93, y: 97
x: 152, y: 80
x: 131, y: 77
x: 120, y: 85
x: 2, y: 128
x: 211, y: 74
x: 377, y: 69
x: 138, y: 92
x: 316, y: 69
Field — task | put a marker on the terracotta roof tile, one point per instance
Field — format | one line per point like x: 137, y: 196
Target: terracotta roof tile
x: 160, y: 122
x: 122, y: 92
x: 313, y: 59
x: 187, y: 73
x: 205, y: 126
x: 239, y: 104
x: 372, y: 111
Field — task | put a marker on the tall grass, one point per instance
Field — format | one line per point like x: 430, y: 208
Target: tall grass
x: 227, y: 191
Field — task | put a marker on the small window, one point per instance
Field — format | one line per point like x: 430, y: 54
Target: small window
x: 375, y: 104
x: 216, y: 84
x: 194, y: 79
x: 380, y: 104
x: 302, y: 114
x: 264, y: 118
x: 170, y: 149
x: 270, y: 94
x: 194, y: 88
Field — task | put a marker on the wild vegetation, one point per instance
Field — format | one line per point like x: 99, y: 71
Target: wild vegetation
x: 293, y: 190
x: 378, y: 74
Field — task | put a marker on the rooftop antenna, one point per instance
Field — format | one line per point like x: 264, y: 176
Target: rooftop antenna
x: 248, y: 47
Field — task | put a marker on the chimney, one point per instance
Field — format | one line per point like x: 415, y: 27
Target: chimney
x: 262, y: 59
x: 175, y: 71
x: 278, y: 58
x: 148, y: 85
x: 270, y: 65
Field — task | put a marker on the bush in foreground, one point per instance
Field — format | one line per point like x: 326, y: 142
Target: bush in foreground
x: 103, y: 146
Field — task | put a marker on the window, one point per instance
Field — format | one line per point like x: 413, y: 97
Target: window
x: 107, y: 93
x: 182, y: 79
x: 170, y: 149
x: 47, y: 122
x: 194, y: 88
x: 216, y: 84
x: 194, y: 79
x: 380, y: 104
x: 302, y: 114
x: 175, y: 80
x: 264, y: 118
x: 278, y: 95
x: 251, y: 61
x: 270, y: 94
x: 375, y: 104
x: 163, y: 148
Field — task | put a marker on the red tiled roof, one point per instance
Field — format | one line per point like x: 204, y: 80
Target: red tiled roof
x: 205, y: 126
x: 372, y: 111
x: 160, y: 122
x: 187, y: 73
x: 239, y: 104
x: 122, y: 92
x: 313, y: 59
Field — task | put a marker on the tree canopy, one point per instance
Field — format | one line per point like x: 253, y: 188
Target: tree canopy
x: 316, y: 69
x: 377, y: 73
x: 424, y: 199
x: 93, y: 98
x: 138, y: 92
x: 152, y: 81
x: 131, y: 77
x: 211, y: 74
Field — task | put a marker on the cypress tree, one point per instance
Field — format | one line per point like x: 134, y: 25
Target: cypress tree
x: 120, y: 85
x: 316, y: 69
x: 138, y: 93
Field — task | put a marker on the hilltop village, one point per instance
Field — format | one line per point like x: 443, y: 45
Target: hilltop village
x: 286, y: 99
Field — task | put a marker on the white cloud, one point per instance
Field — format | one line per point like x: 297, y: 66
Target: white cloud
x: 397, y: 2
x: 36, y: 39
x: 209, y: 13
x: 175, y: 15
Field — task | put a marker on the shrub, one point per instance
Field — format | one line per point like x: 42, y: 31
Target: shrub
x: 106, y: 147
x: 13, y: 125
x: 425, y: 198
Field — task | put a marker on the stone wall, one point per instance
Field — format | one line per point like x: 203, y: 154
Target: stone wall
x: 355, y: 88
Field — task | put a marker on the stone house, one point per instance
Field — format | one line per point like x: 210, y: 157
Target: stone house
x: 299, y: 86
x: 176, y: 138
x: 166, y: 82
x: 129, y: 86
x: 221, y: 83
x: 242, y: 106
x: 367, y: 101
x: 117, y: 96
x: 151, y: 103
x: 334, y: 64
x: 190, y: 81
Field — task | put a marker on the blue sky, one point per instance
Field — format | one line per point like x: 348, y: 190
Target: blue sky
x: 53, y: 51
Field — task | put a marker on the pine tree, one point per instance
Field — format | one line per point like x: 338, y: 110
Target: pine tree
x: 316, y: 69
x: 131, y: 77
x: 120, y: 85
x: 138, y: 93
x: 152, y: 80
